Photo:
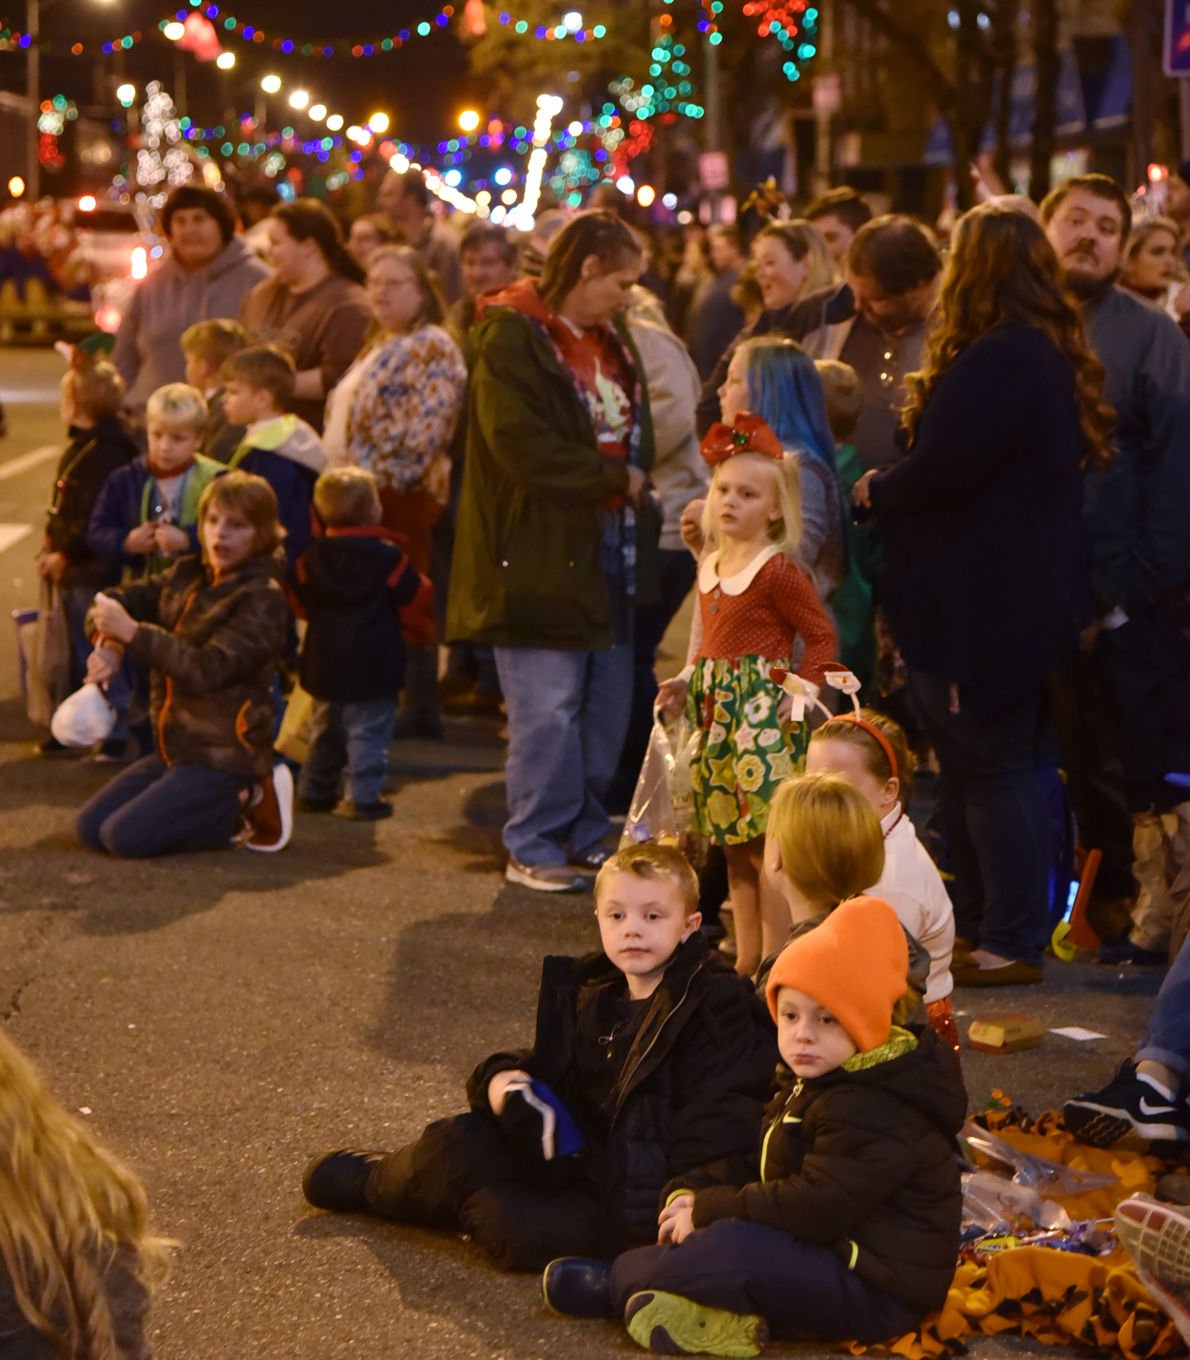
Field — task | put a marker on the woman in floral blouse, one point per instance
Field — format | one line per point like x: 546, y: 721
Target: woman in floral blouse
x: 394, y: 413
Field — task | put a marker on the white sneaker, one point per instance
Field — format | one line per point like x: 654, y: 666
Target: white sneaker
x: 270, y: 816
x: 553, y: 878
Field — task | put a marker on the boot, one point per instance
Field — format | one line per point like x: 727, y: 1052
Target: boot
x: 420, y: 714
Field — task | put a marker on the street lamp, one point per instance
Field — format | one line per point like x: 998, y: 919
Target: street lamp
x: 270, y: 84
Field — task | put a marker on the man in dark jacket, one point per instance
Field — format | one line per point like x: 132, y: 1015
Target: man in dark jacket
x: 851, y: 1231
x: 552, y: 536
x: 651, y: 1060
x: 1123, y: 700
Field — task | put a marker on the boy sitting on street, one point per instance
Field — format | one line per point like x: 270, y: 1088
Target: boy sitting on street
x: 281, y: 448
x: 851, y: 1230
x: 206, y: 346
x: 353, y: 584
x: 652, y: 1059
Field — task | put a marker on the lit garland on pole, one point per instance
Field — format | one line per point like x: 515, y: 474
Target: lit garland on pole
x: 162, y: 162
x: 793, y: 24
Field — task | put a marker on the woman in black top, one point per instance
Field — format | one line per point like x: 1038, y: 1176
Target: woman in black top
x: 986, y: 577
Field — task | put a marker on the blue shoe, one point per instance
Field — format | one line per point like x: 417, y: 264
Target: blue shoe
x: 578, y: 1286
x: 338, y: 1181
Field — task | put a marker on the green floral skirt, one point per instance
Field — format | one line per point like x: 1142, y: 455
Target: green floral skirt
x: 745, y: 752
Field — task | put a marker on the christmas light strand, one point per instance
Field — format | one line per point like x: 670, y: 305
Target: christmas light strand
x: 11, y: 39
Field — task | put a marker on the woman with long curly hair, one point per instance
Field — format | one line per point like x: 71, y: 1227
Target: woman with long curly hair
x: 986, y: 577
x: 76, y: 1254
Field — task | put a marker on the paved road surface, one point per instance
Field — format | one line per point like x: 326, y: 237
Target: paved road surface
x: 219, y: 1018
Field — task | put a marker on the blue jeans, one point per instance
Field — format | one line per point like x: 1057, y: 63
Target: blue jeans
x: 352, y: 736
x: 120, y: 686
x: 567, y: 713
x: 152, y: 808
x: 994, y: 816
x: 1168, y: 1039
x: 798, y: 1288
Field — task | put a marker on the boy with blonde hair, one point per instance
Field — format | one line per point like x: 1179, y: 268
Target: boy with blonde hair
x: 651, y: 1059
x: 206, y: 346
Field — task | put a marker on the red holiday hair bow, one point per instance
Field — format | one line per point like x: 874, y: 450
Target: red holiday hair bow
x: 749, y: 434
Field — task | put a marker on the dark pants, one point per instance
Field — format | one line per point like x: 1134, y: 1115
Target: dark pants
x: 463, y: 1175
x: 156, y: 809
x: 995, y: 818
x: 799, y: 1289
x: 677, y: 571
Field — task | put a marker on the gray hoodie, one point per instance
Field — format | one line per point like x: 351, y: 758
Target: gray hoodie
x: 148, y: 350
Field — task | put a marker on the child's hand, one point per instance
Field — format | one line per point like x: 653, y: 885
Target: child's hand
x: 51, y: 566
x: 499, y: 1084
x: 112, y: 619
x: 676, y: 1221
x: 102, y: 666
x: 861, y: 493
x: 690, y: 526
x: 171, y: 540
x: 141, y: 540
x: 671, y: 696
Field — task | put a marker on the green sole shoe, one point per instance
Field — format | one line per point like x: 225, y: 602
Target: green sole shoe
x: 672, y: 1325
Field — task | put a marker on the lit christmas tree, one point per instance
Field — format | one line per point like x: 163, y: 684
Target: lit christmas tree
x: 162, y: 161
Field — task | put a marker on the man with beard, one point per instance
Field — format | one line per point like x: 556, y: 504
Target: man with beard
x: 1123, y: 702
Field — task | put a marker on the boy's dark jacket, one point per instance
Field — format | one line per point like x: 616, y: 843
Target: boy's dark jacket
x: 86, y: 462
x: 863, y: 1163
x: 351, y: 584
x: 691, y: 1090
x: 213, y: 648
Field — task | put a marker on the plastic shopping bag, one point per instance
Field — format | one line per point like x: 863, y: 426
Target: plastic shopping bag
x: 662, y: 808
x: 83, y: 718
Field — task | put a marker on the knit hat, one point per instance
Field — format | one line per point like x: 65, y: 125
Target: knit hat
x: 854, y: 964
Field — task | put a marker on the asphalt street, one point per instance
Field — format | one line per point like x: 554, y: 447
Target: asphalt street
x: 217, y: 1019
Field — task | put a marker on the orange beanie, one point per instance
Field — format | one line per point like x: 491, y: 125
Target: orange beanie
x: 854, y: 964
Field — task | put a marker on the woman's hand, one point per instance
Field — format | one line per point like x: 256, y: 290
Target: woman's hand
x: 676, y: 1221
x: 499, y: 1084
x: 671, y: 696
x: 690, y: 526
x: 51, y: 566
x: 170, y: 540
x: 112, y: 619
x: 141, y: 540
x: 861, y: 493
x: 102, y: 665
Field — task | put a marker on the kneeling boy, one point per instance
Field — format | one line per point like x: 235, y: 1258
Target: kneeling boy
x: 852, y: 1230
x: 651, y: 1060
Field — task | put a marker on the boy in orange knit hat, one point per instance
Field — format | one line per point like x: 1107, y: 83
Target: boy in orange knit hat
x: 852, y: 1229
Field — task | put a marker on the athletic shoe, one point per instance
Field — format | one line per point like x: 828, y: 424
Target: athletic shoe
x: 577, y: 1286
x: 1133, y: 1108
x: 269, y: 814
x: 1157, y: 1237
x: 338, y: 1181
x: 110, y: 752
x: 672, y: 1325
x: 551, y: 878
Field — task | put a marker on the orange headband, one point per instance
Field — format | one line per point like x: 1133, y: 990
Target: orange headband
x: 877, y: 736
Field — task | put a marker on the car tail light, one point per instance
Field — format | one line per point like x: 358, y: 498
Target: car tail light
x: 140, y: 262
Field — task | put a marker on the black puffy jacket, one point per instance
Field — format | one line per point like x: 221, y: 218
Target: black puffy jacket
x: 691, y: 1090
x: 864, y: 1163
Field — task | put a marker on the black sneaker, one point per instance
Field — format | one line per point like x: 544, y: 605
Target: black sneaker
x: 338, y: 1181
x: 51, y: 746
x: 1130, y: 1108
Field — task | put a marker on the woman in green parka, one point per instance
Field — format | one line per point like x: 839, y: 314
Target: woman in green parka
x: 556, y: 535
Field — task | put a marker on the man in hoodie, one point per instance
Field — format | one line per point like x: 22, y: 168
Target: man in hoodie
x: 206, y: 273
x: 277, y: 446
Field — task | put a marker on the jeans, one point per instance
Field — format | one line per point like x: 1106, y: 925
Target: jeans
x: 120, y: 686
x: 995, y: 819
x: 798, y: 1288
x: 352, y: 736
x: 650, y: 621
x: 152, y: 808
x: 567, y: 711
x: 1168, y: 1039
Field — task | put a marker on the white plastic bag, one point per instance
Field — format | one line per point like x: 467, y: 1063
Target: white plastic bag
x: 83, y: 718
x: 662, y: 808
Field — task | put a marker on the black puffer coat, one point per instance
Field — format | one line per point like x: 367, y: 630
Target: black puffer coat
x: 691, y: 1090
x: 864, y: 1163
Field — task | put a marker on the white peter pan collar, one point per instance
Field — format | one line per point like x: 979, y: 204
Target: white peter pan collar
x: 709, y: 578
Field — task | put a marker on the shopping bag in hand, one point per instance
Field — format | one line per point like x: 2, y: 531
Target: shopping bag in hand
x: 662, y: 808
x: 45, y: 649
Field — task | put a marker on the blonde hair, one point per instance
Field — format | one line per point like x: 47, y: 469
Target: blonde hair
x: 831, y: 843
x: 245, y: 494
x: 653, y: 860
x: 214, y: 340
x: 68, y: 1208
x: 875, y: 757
x: 177, y: 404
x: 843, y: 394
x: 97, y: 389
x: 786, y: 532
x: 801, y: 239
x: 346, y: 496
